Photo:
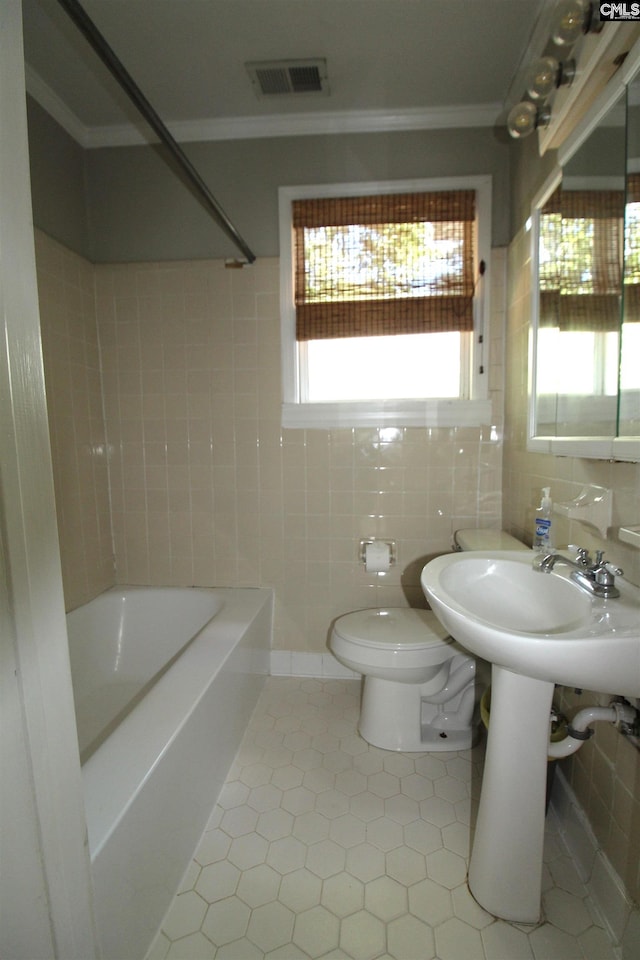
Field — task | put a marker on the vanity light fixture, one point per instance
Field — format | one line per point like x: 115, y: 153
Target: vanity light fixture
x: 573, y: 18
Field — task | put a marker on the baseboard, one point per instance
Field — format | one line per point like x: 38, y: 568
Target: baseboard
x: 293, y: 663
x: 619, y: 913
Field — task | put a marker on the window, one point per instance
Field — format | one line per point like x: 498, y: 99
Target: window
x: 580, y: 269
x: 632, y: 251
x: 580, y: 251
x: 630, y: 349
x: 383, y: 303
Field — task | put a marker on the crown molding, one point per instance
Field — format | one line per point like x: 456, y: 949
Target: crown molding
x: 272, y: 125
x: 54, y: 106
x: 305, y: 124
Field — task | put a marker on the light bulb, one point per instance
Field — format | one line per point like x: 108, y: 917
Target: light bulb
x: 571, y: 19
x: 522, y: 119
x: 543, y: 77
x: 548, y: 73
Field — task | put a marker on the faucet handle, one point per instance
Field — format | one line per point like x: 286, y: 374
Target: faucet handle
x: 604, y: 565
x: 605, y: 576
x: 582, y: 554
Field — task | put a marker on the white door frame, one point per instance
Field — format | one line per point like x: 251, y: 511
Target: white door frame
x: 46, y: 894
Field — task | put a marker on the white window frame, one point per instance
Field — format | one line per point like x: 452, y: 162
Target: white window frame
x: 426, y: 413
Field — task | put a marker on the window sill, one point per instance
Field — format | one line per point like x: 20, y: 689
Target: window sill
x: 398, y: 413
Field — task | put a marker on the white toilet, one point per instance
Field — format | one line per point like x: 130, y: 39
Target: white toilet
x: 421, y: 690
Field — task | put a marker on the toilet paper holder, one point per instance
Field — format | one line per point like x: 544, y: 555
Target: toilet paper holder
x: 390, y: 543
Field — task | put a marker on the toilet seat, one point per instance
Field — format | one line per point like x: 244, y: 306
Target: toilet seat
x: 392, y: 628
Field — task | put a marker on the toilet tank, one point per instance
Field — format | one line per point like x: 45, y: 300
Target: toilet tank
x: 474, y: 539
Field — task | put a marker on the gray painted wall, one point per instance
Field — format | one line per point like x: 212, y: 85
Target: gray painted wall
x: 633, y: 132
x: 58, y: 192
x: 603, y: 154
x: 140, y: 211
x: 124, y: 204
x: 528, y: 173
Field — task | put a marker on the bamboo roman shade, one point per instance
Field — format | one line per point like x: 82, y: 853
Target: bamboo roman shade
x: 378, y: 265
x: 581, y: 250
x: 631, y: 312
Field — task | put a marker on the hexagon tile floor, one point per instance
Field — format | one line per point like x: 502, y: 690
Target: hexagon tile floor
x: 324, y: 846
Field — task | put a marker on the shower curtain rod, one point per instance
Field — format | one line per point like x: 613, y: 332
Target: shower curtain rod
x: 111, y: 61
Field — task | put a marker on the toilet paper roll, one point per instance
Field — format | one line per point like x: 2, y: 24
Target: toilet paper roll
x: 377, y: 556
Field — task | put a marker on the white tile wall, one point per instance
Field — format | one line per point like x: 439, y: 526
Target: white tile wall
x: 207, y: 488
x: 76, y: 422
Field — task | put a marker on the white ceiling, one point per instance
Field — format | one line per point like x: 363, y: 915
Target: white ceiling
x: 391, y: 63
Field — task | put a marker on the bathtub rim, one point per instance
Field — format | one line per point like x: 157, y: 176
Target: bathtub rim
x: 119, y: 768
x: 120, y: 593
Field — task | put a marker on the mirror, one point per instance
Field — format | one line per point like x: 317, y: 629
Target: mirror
x: 629, y: 410
x: 585, y: 387
x: 580, y: 261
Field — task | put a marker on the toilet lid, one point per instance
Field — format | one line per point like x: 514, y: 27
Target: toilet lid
x: 392, y: 627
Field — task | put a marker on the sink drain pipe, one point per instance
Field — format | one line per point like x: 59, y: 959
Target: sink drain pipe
x: 623, y: 715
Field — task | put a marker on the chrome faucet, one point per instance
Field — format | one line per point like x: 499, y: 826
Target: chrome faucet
x: 582, y: 563
x: 597, y: 576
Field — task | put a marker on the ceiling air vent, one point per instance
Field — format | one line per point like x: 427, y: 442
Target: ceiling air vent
x: 276, y: 77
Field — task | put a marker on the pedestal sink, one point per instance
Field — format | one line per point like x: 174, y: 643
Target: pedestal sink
x: 537, y: 630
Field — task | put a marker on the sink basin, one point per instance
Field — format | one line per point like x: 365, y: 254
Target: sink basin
x: 539, y: 625
x: 537, y: 629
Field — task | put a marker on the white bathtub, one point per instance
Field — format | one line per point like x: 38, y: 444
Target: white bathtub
x: 172, y: 702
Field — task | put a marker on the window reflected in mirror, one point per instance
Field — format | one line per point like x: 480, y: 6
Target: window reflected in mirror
x: 629, y: 409
x: 582, y: 240
x: 580, y: 258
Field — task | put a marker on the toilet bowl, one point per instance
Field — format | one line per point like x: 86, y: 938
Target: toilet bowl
x: 421, y: 689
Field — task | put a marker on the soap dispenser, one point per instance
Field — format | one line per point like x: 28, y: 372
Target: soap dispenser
x: 542, y: 535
